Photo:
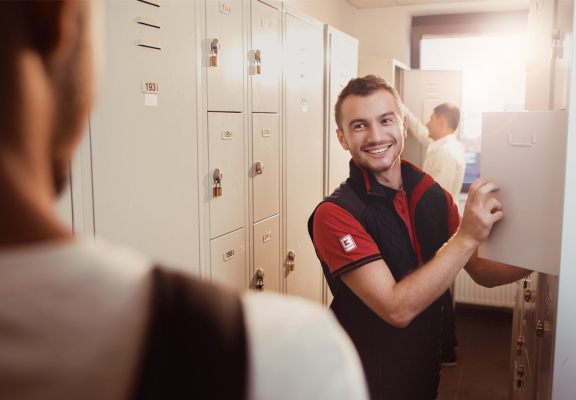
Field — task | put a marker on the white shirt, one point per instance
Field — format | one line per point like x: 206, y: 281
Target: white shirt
x: 73, y: 318
x: 445, y: 158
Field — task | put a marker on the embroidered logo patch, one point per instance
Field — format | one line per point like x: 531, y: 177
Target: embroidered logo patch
x: 348, y: 243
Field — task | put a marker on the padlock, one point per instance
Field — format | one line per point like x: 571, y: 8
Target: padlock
x: 214, y: 46
x: 217, y: 189
x: 258, y: 69
x: 258, y: 60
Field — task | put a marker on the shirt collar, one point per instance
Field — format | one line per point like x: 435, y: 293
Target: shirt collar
x: 441, y: 142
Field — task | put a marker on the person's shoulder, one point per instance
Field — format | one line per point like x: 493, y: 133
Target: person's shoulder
x: 298, y: 349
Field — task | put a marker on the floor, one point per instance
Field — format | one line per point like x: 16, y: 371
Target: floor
x: 483, y: 356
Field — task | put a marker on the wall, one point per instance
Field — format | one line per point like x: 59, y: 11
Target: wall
x: 337, y: 13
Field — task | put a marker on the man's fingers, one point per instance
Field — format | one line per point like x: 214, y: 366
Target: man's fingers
x: 492, y: 205
x: 478, y: 183
x: 495, y: 217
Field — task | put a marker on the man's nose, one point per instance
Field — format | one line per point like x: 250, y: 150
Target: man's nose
x: 376, y: 133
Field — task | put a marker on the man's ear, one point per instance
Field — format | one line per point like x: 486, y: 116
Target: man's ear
x: 54, y: 27
x: 405, y: 126
x: 342, y: 140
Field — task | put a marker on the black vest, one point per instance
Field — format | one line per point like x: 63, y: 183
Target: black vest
x: 400, y: 363
x: 196, y: 342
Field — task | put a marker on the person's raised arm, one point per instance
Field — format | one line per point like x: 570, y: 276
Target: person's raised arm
x: 400, y: 302
x: 417, y: 129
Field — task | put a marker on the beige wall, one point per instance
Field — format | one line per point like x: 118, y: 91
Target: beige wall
x: 337, y: 13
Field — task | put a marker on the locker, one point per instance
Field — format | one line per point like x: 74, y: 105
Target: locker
x: 265, y: 170
x: 228, y: 256
x: 303, y: 149
x: 224, y: 41
x: 267, y: 252
x: 226, y: 154
x: 266, y: 47
x: 64, y: 206
x: 546, y: 315
x: 424, y: 90
x: 530, y: 235
x: 143, y: 135
x: 342, y: 65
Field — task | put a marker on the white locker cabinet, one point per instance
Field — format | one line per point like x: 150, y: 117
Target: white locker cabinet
x: 226, y: 153
x: 422, y: 92
x: 341, y: 66
x: 388, y: 68
x: 267, y: 253
x: 228, y: 256
x: 265, y: 170
x: 546, y: 316
x: 265, y: 45
x: 303, y: 149
x: 143, y: 132
x: 532, y: 196
x: 226, y: 79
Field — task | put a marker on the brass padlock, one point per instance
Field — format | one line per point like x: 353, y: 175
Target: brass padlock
x: 260, y: 279
x: 258, y: 61
x: 217, y: 189
x: 214, y: 46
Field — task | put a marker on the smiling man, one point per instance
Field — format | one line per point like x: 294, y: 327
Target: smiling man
x: 391, y: 241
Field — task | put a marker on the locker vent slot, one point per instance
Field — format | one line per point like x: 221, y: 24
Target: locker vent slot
x: 151, y: 44
x: 155, y: 3
x: 148, y: 22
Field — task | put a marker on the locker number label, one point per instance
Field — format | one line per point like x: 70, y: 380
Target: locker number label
x: 305, y: 104
x: 150, y: 87
x: 266, y: 132
x: 227, y: 135
x: 265, y: 23
x: 229, y: 255
x: 267, y: 237
x: 225, y: 9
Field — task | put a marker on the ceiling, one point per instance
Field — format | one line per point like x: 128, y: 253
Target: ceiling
x: 396, y: 3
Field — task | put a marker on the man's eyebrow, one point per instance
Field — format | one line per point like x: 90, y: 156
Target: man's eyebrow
x: 386, y: 114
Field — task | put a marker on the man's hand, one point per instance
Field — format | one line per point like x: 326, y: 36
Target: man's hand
x: 481, y: 212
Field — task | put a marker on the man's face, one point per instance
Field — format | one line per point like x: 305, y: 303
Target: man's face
x: 373, y: 131
x: 434, y: 126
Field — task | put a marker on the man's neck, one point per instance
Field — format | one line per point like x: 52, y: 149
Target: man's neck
x: 392, y: 177
x: 443, y: 135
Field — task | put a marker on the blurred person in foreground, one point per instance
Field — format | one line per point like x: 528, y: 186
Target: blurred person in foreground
x: 93, y: 322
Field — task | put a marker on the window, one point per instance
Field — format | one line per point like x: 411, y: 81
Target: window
x: 493, y: 79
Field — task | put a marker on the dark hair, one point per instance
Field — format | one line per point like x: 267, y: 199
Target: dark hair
x: 364, y: 86
x: 450, y: 113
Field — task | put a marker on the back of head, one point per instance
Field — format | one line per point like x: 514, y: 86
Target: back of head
x: 364, y: 86
x: 451, y: 114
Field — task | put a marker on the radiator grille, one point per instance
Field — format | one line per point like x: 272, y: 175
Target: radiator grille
x: 468, y: 292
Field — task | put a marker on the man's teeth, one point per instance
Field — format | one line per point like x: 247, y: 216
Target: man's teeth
x: 382, y: 150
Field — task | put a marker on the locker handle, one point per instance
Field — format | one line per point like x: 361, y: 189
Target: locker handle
x: 532, y: 142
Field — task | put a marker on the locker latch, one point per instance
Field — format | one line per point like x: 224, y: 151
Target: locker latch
x: 214, y: 47
x: 258, y: 61
x: 217, y: 189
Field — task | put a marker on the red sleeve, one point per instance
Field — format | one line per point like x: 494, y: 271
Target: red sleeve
x: 454, y: 217
x: 340, y: 240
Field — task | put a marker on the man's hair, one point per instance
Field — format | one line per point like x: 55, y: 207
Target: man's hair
x: 365, y: 86
x: 450, y: 113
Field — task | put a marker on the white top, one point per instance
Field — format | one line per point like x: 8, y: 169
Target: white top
x: 72, y: 321
x: 445, y: 158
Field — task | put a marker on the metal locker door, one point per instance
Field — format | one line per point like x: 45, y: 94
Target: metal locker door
x: 267, y: 252
x: 304, y: 150
x: 223, y: 52
x: 424, y: 90
x: 226, y: 154
x: 548, y: 286
x: 143, y: 133
x: 265, y: 171
x: 228, y: 260
x: 266, y: 47
x: 343, y: 66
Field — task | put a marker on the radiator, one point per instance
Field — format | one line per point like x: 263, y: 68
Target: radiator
x: 466, y: 291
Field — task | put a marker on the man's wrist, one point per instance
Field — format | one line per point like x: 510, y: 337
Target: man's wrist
x: 464, y: 244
